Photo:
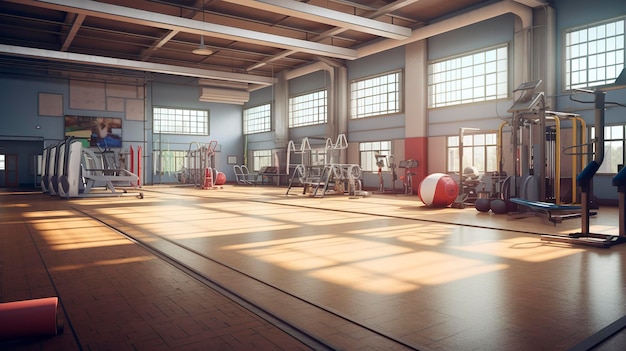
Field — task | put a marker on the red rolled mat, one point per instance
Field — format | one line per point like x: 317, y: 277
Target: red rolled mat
x: 37, y: 317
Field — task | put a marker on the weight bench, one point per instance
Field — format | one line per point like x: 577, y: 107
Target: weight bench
x: 585, y: 237
x: 555, y: 213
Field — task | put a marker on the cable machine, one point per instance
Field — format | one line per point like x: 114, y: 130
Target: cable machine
x: 529, y: 120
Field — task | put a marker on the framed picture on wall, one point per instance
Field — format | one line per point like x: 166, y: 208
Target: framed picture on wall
x: 232, y: 160
x: 103, y: 132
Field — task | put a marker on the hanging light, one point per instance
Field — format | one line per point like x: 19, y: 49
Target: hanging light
x: 202, y: 50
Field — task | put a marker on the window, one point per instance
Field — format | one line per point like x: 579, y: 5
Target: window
x: 2, y: 163
x: 594, y: 55
x: 613, y: 147
x: 375, y: 96
x: 474, y: 77
x: 168, y: 162
x: 307, y: 109
x: 368, y: 152
x: 257, y: 119
x: 260, y: 159
x: 180, y: 121
x: 479, y: 150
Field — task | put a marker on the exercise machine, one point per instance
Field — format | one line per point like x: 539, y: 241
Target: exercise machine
x: 620, y: 182
x: 322, y: 174
x: 534, y: 187
x: 585, y: 181
x: 45, y: 167
x: 199, y: 171
x: 382, y: 162
x: 80, y: 171
x: 462, y: 197
x: 407, y: 179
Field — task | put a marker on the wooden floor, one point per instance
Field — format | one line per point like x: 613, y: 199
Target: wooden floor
x: 244, y: 268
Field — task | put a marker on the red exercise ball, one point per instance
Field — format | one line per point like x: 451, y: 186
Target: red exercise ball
x: 220, y: 178
x: 438, y: 190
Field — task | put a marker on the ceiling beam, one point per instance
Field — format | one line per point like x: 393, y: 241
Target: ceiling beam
x: 465, y: 19
x: 134, y: 65
x: 76, y: 23
x: 145, y: 55
x: 328, y: 16
x: 334, y: 31
x: 157, y: 20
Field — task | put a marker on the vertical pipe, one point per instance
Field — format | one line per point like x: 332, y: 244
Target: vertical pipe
x: 574, y: 159
x: 557, y: 161
x: 599, y: 124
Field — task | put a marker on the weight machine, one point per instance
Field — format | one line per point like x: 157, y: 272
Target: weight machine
x: 199, y: 169
x: 388, y: 161
x: 585, y: 181
x: 407, y: 179
x: 322, y: 173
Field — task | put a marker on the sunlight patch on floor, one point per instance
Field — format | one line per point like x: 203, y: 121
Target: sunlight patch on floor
x: 523, y: 248
x: 118, y: 261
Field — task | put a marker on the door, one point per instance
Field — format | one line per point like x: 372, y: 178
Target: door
x: 10, y: 171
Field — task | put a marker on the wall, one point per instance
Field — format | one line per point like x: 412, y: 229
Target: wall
x: 33, y: 118
x: 572, y: 14
x: 225, y: 125
x: 482, y: 115
x: 35, y: 106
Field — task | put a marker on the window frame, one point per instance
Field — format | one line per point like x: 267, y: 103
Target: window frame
x: 259, y: 161
x: 608, y: 167
x: 262, y: 115
x: 179, y: 115
x: 169, y: 162
x: 310, y: 112
x: 452, y: 161
x: 572, y: 46
x: 378, y: 95
x: 446, y: 76
x: 368, y: 163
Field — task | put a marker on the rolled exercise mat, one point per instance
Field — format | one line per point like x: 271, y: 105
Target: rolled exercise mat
x: 29, y: 318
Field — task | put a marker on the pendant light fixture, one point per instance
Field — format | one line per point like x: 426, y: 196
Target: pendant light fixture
x: 202, y: 50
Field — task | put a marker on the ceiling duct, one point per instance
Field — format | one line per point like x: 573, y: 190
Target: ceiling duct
x: 224, y: 96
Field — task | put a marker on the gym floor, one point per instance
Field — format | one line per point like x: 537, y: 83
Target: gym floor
x: 246, y: 267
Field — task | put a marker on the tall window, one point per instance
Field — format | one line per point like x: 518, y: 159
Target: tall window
x: 260, y: 159
x: 368, y: 152
x: 374, y: 96
x: 308, y: 109
x: 2, y: 163
x: 180, y: 121
x: 257, y: 119
x: 594, y: 55
x: 478, y: 76
x: 479, y: 150
x: 613, y: 147
x: 168, y: 162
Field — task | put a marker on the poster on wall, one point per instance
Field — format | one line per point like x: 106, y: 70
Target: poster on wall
x: 103, y: 132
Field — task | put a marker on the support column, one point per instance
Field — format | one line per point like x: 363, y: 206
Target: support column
x: 416, y: 109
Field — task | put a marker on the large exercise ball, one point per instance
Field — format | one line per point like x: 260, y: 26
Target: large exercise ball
x: 438, y: 190
x: 220, y: 178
